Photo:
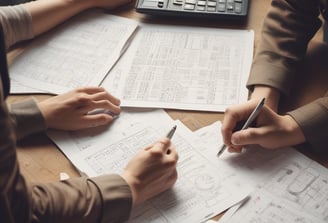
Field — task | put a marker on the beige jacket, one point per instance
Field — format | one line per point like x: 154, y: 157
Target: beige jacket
x: 101, y: 199
x: 287, y: 30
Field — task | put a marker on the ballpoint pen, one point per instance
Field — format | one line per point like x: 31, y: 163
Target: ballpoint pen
x: 248, y: 122
x: 171, y: 132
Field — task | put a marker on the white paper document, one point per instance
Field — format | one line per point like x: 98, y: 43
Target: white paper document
x: 288, y: 186
x: 201, y: 191
x: 298, y: 192
x: 181, y: 67
x: 78, y: 53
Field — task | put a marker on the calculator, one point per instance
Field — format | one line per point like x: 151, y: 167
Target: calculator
x: 225, y: 9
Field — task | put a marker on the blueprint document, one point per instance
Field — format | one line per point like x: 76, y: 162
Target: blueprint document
x: 182, y: 67
x: 78, y: 53
x: 298, y: 192
x: 201, y: 191
x: 288, y: 186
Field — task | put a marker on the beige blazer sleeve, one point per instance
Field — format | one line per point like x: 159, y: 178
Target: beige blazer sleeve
x: 287, y: 30
x: 102, y: 199
x: 27, y: 118
x: 16, y: 23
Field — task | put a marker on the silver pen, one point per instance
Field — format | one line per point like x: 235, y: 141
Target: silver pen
x: 248, y: 122
x: 171, y: 132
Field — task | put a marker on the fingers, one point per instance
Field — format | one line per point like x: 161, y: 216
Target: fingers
x: 91, y: 121
x: 233, y: 118
x: 164, y: 148
x: 91, y: 98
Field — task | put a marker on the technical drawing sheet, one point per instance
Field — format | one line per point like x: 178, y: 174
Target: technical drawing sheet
x: 298, y: 192
x: 78, y: 53
x: 201, y: 191
x: 181, y: 67
x: 288, y: 186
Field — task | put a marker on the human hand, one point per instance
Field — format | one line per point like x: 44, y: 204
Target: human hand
x: 272, y: 130
x: 270, y: 94
x: 106, y: 4
x: 71, y: 111
x: 152, y: 170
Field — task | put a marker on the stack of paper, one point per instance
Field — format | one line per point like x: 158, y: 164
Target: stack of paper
x: 201, y: 191
x: 180, y: 67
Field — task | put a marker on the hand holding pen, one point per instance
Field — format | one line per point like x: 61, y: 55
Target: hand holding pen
x: 248, y: 122
x: 153, y: 169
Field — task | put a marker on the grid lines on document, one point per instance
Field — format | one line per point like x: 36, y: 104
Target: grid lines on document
x: 199, y: 191
x: 72, y: 55
x: 265, y: 207
x: 185, y: 68
x: 114, y: 157
x: 304, y: 186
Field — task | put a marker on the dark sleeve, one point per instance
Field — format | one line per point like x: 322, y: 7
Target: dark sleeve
x: 17, y: 24
x: 27, y: 118
x: 287, y: 30
x: 102, y: 199
x: 313, y: 120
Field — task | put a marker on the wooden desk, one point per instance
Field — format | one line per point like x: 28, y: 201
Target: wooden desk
x: 39, y: 158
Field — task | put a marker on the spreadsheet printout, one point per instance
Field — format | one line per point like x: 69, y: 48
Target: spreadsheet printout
x: 78, y: 53
x: 182, y: 67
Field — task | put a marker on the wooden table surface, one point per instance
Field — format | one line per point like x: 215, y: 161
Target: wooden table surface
x: 41, y: 160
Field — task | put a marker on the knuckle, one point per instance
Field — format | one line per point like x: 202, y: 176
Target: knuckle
x: 103, y: 118
x: 82, y: 98
x: 81, y: 89
x: 156, y: 153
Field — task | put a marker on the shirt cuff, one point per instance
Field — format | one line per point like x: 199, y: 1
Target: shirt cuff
x: 313, y: 120
x: 27, y: 117
x: 116, y: 198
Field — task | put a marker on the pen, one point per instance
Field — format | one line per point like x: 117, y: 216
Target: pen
x: 248, y: 122
x: 171, y: 132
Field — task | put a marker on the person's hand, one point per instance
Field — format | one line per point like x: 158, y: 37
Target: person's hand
x: 71, y: 111
x: 152, y: 170
x: 270, y: 94
x: 271, y: 131
x: 106, y: 4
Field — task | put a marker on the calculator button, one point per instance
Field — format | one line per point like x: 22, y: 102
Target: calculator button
x: 239, y: 1
x: 238, y: 7
x: 178, y: 2
x: 229, y: 6
x: 193, y: 2
x: 211, y: 4
x: 211, y: 9
x: 221, y: 1
x: 201, y: 3
x: 200, y: 8
x: 189, y: 7
x: 221, y: 7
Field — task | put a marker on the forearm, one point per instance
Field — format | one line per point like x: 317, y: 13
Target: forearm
x: 47, y: 14
x: 285, y: 35
x: 313, y: 120
x: 82, y: 200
